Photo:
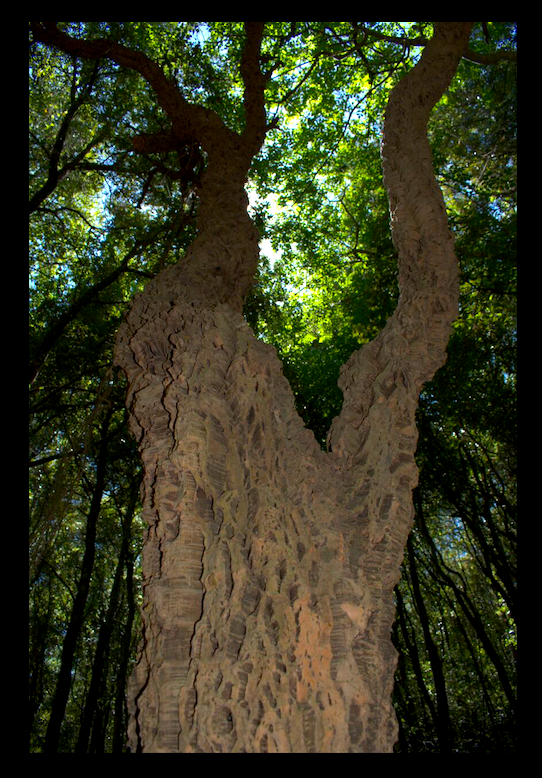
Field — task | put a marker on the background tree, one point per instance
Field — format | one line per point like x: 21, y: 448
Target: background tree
x: 139, y: 243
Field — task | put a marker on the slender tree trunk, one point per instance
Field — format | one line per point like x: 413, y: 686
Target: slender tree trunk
x: 269, y: 565
x: 40, y: 628
x: 125, y: 642
x: 52, y: 738
x: 450, y: 579
x: 414, y: 657
x: 93, y: 712
x: 443, y: 724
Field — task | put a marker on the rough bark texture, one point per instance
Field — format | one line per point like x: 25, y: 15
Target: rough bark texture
x: 269, y: 565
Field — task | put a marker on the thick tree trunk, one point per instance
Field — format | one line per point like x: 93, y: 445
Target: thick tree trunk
x: 269, y: 565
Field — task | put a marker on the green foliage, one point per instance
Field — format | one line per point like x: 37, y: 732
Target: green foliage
x: 104, y: 220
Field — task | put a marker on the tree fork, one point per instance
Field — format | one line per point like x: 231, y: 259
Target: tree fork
x: 269, y: 565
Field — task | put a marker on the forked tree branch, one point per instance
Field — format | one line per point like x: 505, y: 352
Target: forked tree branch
x: 420, y: 40
x: 189, y: 121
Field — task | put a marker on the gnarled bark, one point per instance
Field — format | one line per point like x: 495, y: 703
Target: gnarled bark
x: 269, y: 565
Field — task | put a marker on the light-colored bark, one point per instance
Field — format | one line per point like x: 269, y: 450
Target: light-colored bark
x: 269, y: 565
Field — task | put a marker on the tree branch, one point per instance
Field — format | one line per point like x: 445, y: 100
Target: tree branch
x: 490, y: 59
x: 54, y: 173
x: 188, y: 119
x: 420, y: 40
x: 254, y: 81
x: 83, y: 299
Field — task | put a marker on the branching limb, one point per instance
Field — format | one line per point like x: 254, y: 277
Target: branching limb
x: 54, y: 173
x: 421, y: 40
x: 187, y: 119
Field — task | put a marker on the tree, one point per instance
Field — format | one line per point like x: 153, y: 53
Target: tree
x: 269, y: 565
x: 337, y: 251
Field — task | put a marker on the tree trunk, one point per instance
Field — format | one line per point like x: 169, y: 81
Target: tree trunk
x: 441, y: 717
x: 269, y: 565
x: 92, y: 727
x: 64, y: 679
